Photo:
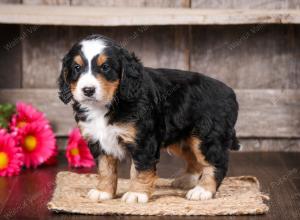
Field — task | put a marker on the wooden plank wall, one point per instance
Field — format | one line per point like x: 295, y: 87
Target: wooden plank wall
x: 246, y: 4
x: 142, y: 40
x: 259, y: 61
x: 254, y: 57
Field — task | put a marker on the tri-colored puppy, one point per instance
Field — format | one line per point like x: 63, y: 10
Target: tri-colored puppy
x: 124, y: 108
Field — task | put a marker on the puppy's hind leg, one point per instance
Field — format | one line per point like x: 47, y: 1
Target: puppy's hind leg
x: 214, y: 167
x: 191, y: 175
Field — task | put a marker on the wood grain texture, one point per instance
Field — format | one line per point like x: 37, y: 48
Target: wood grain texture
x: 134, y: 3
x: 100, y: 16
x: 10, y: 2
x: 246, y: 4
x: 270, y: 144
x: 275, y: 179
x: 46, y: 2
x: 250, y: 57
x: 42, y: 55
x: 295, y: 75
x: 52, y: 50
x: 263, y: 113
x: 268, y: 113
x: 10, y: 57
x: 44, y: 50
x: 292, y: 162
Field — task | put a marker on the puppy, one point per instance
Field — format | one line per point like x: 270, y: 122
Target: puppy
x: 124, y: 108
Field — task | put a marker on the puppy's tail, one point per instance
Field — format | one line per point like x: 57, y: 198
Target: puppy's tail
x: 234, y: 141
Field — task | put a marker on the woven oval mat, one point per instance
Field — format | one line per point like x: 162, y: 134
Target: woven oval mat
x: 236, y: 196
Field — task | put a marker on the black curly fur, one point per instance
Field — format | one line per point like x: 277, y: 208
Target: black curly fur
x: 166, y: 106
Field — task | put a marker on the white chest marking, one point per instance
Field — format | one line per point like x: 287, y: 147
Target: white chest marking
x: 97, y: 129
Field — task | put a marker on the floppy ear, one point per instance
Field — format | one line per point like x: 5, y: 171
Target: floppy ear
x: 132, y: 76
x: 64, y: 93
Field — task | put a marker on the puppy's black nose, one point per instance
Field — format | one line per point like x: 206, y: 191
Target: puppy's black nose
x: 89, y: 91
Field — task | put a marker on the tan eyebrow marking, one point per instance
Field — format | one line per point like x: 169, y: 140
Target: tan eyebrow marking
x: 101, y: 59
x: 78, y: 59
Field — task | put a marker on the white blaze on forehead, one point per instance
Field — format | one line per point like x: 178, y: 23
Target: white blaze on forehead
x: 90, y: 48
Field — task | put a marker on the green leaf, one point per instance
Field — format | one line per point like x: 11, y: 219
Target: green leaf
x: 6, y: 111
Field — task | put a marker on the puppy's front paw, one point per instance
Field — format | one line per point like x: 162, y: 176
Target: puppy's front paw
x: 97, y: 195
x: 134, y: 197
x: 199, y: 193
x: 186, y: 181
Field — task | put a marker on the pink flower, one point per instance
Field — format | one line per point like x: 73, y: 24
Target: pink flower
x: 38, y: 143
x: 53, y: 159
x: 78, y: 153
x: 11, y: 157
x: 26, y: 114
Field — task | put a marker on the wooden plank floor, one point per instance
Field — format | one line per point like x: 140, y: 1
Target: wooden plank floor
x: 25, y: 196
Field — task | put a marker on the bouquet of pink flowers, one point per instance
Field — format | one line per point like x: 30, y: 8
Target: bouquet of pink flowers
x: 27, y: 139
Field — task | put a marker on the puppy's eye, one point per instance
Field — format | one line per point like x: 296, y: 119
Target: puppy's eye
x: 77, y: 68
x: 105, y: 67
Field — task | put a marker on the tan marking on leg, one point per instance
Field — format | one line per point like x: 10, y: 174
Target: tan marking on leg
x: 207, y: 180
x: 175, y: 149
x: 107, y: 185
x: 143, y: 181
x: 141, y: 186
x: 196, y: 166
x: 101, y: 59
x: 193, y: 169
x: 108, y: 86
x: 108, y: 177
x: 184, y: 152
x: 133, y: 172
x: 194, y: 144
